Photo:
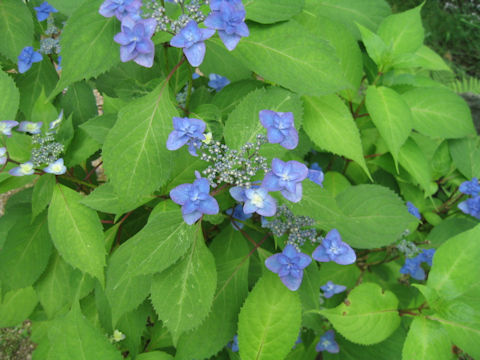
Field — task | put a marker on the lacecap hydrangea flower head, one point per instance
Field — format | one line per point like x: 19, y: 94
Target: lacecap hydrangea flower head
x: 334, y: 249
x: 191, y: 39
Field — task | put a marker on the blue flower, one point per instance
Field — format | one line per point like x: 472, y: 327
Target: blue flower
x: 187, y: 131
x: 286, y: 177
x: 191, y: 38
x: 315, y: 166
x: 233, y: 344
x: 3, y: 158
x: 256, y: 199
x: 471, y: 187
x: 30, y: 127
x: 238, y: 214
x: 426, y: 256
x: 330, y: 289
x: 59, y: 61
x: 121, y: 8
x: 26, y: 58
x: 195, y: 76
x: 135, y: 41
x: 412, y: 209
x: 280, y: 128
x: 218, y: 82
x: 230, y: 23
x: 56, y: 168
x: 327, y: 343
x: 44, y: 10
x: 195, y: 200
x: 22, y: 170
x: 289, y: 266
x: 412, y: 267
x: 316, y: 176
x: 6, y: 127
x: 471, y: 206
x: 334, y: 249
x: 215, y: 4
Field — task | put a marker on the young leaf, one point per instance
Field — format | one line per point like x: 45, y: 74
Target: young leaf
x: 403, y: 32
x: 231, y: 259
x: 269, y: 320
x: 376, y: 47
x: 391, y: 115
x: 87, y: 45
x: 271, y: 50
x: 25, y: 254
x: 427, y: 339
x: 330, y: 125
x: 439, y: 112
x: 368, y: 308
x: 182, y: 295
x: 16, y: 306
x: 135, y: 156
x: 16, y: 27
x: 76, y: 232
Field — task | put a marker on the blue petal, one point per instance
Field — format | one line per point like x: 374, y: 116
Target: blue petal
x: 209, y: 206
x: 179, y: 194
x: 292, y: 282
x: 191, y: 218
x: 215, y: 21
x: 290, y: 251
x: 270, y: 182
x: 269, y: 207
x: 195, y: 53
x: 266, y: 118
x: 320, y: 254
x: 273, y: 264
x: 346, y: 258
x: 176, y: 140
x: 230, y: 41
x: 291, y: 141
x: 145, y: 60
x: 238, y: 193
x: 274, y: 136
x: 303, y: 261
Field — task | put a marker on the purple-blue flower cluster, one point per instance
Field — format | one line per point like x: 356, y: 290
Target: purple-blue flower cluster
x: 413, y: 266
x: 217, y: 82
x: 471, y: 206
x: 237, y: 214
x: 121, y: 9
x: 27, y: 57
x: 334, y: 249
x: 191, y: 39
x: 330, y: 289
x: 327, y: 343
x: 287, y: 178
x: 186, y: 131
x: 280, y: 128
x: 44, y: 10
x: 412, y: 209
x: 228, y: 17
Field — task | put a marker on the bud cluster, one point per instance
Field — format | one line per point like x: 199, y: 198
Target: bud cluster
x: 296, y: 227
x: 236, y: 167
x: 190, y: 11
x: 408, y: 248
x: 48, y: 150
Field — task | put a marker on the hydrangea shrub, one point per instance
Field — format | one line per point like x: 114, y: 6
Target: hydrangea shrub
x: 227, y: 179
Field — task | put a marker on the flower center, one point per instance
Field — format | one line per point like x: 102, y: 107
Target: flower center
x: 257, y: 200
x: 26, y: 167
x: 326, y: 343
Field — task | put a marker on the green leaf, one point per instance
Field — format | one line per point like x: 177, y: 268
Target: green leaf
x: 439, y: 112
x: 154, y: 355
x: 309, y: 293
x: 42, y: 194
x: 374, y: 216
x: 164, y: 239
x: 16, y: 306
x: 368, y: 13
x: 269, y: 50
x: 57, y: 286
x: 449, y: 228
x: 87, y: 46
x: 9, y: 96
x: 8, y: 220
x: 16, y: 27
x: 76, y: 232
x: 43, y: 110
x: 80, y: 102
x: 330, y: 125
x: 25, y: 254
x: 403, y: 32
x: 41, y: 77
x: 269, y: 320
x: 132, y: 325
x: 368, y: 316
x: 227, y: 99
x: 391, y: 116
x: 66, y: 6
x: 99, y: 126
x: 104, y: 199
x: 424, y: 58
x: 334, y: 182
x: 243, y: 124
x: 346, y: 47
x: 182, y: 295
x: 74, y: 337
x: 81, y: 147
x: 346, y: 275
x: 427, y: 339
x: 413, y: 159
x: 466, y: 156
x: 66, y: 132
x: 271, y: 11
x: 376, y: 47
x: 231, y: 259
x: 219, y: 60
x: 135, y: 158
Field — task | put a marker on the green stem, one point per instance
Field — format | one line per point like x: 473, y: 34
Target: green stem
x: 189, y: 91
x: 247, y: 224
x: 78, y: 181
